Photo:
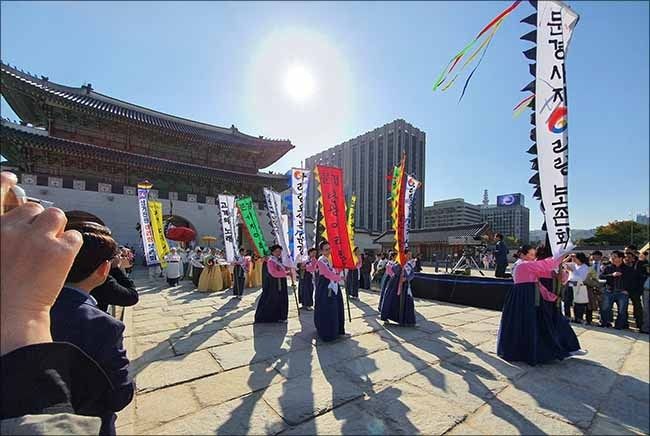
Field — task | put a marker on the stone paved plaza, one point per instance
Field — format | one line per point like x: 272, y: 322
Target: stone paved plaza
x: 202, y: 367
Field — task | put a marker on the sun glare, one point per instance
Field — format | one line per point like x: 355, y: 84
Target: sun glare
x: 299, y: 83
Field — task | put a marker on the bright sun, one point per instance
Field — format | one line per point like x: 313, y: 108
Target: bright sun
x: 299, y: 83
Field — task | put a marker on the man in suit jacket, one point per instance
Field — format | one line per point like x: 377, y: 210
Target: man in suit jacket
x: 118, y: 289
x: 75, y: 318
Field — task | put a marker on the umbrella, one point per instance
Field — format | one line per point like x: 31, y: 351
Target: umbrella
x: 182, y: 234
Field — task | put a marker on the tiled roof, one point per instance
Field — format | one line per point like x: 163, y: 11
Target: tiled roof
x: 85, y: 98
x: 437, y: 235
x: 36, y: 138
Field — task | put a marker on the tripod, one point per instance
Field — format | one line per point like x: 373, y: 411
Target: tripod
x: 466, y: 261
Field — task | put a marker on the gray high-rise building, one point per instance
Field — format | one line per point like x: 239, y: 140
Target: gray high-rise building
x: 453, y: 212
x: 509, y: 216
x: 367, y: 160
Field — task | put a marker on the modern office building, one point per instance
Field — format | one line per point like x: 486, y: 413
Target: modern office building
x: 367, y: 160
x: 509, y: 216
x: 642, y: 219
x: 453, y: 212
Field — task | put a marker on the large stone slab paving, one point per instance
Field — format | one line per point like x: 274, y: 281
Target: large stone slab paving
x: 621, y: 414
x: 567, y: 402
x: 248, y: 415
x: 164, y: 405
x: 199, y: 341
x: 381, y: 367
x: 225, y: 386
x: 348, y: 419
x: 431, y: 379
x: 304, y: 397
x: 497, y: 418
x: 488, y: 366
x: 604, y: 350
x: 254, y: 350
x: 405, y: 409
x: 464, y: 389
x: 176, y: 370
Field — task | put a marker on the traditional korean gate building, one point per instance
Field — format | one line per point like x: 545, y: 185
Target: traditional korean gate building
x: 86, y: 151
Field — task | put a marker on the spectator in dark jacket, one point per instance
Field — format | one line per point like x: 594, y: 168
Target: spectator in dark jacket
x: 118, y: 289
x: 620, y: 279
x: 636, y: 288
x: 75, y: 318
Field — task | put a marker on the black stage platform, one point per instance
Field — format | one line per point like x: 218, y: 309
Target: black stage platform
x: 483, y: 292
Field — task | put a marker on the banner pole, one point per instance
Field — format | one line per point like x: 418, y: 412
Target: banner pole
x: 293, y: 287
x: 347, y: 298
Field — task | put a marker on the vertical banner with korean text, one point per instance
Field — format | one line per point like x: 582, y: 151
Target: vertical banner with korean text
x: 228, y: 216
x: 412, y: 185
x: 299, y: 183
x: 252, y: 225
x: 350, y: 222
x: 274, y: 210
x: 158, y: 230
x: 148, y: 243
x: 332, y: 204
x: 555, y: 24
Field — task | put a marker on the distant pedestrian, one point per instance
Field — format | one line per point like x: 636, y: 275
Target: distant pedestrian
x: 501, y: 256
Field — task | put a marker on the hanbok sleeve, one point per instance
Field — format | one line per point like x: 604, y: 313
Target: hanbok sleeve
x: 311, y: 266
x: 543, y: 267
x: 275, y: 270
x: 328, y: 273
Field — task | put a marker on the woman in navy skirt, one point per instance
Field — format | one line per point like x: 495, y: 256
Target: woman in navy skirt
x: 329, y: 316
x: 552, y: 316
x: 398, y: 302
x: 352, y: 279
x: 273, y: 305
x: 532, y: 330
x: 388, y: 273
x: 306, y: 282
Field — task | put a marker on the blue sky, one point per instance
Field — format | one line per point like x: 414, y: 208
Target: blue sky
x: 372, y: 62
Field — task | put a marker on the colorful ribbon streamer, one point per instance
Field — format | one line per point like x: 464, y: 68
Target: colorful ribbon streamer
x: 493, y: 25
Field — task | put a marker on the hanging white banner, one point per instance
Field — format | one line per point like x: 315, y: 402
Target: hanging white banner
x: 148, y: 243
x: 299, y: 183
x: 555, y: 23
x: 274, y: 209
x: 409, y: 197
x: 228, y: 216
x: 286, y: 259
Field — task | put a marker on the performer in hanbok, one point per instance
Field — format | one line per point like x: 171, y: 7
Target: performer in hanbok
x: 196, y: 262
x: 174, y: 270
x: 306, y: 283
x: 398, y: 305
x: 250, y: 274
x: 210, y: 280
x: 388, y: 273
x: 329, y: 314
x: 353, y: 277
x: 224, y: 269
x: 273, y: 305
x: 259, y: 267
x: 240, y: 270
x: 532, y: 328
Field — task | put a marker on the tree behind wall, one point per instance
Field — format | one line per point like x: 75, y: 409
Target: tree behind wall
x: 620, y: 233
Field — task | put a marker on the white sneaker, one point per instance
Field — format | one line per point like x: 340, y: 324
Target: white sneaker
x: 579, y: 353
